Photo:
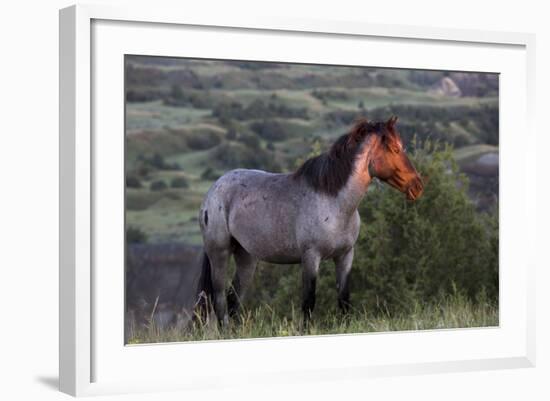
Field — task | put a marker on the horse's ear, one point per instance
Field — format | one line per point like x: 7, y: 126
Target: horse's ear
x: 359, y: 130
x: 390, y: 124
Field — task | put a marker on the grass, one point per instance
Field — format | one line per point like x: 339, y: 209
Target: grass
x: 454, y: 312
x: 157, y: 116
x: 193, y: 163
x: 167, y: 220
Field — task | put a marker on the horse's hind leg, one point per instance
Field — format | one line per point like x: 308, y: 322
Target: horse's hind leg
x: 217, y: 245
x: 310, y: 269
x: 343, y: 268
x: 219, y: 259
x: 246, y: 266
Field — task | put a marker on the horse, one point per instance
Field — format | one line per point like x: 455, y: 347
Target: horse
x: 303, y: 217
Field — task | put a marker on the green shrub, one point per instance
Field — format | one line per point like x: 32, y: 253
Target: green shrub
x: 432, y: 247
x: 279, y: 130
x: 176, y: 92
x: 231, y: 134
x: 210, y: 174
x: 330, y: 94
x: 133, y: 182
x: 250, y: 140
x: 203, y: 139
x: 179, y: 182
x: 259, y: 108
x: 230, y: 155
x: 158, y: 186
x: 141, y: 147
x: 144, y: 164
x: 135, y: 236
x: 270, y: 130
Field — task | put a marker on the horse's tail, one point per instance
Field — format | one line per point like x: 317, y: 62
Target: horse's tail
x: 205, y: 289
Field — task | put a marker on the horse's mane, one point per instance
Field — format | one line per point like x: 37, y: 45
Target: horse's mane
x: 329, y: 172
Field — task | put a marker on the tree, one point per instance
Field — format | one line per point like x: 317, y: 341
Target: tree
x: 410, y: 252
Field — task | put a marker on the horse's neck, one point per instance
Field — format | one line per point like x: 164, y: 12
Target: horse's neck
x: 353, y: 192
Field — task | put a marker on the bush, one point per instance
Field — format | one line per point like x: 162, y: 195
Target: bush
x: 339, y: 118
x: 176, y: 92
x: 158, y: 186
x: 158, y: 161
x: 231, y: 155
x: 142, y: 146
x: 198, y: 99
x: 135, y: 236
x: 203, y: 139
x: 278, y: 130
x: 426, y: 249
x: 250, y: 140
x: 179, y: 182
x: 209, y: 174
x: 231, y: 134
x: 330, y: 94
x: 270, y: 130
x: 259, y: 108
x: 133, y: 182
x: 155, y: 162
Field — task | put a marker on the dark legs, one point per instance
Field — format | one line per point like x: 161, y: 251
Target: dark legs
x: 343, y: 268
x: 310, y: 265
x: 246, y: 266
x: 310, y: 269
x: 219, y: 259
x: 229, y: 306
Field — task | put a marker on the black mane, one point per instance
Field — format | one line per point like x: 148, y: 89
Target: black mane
x: 329, y: 172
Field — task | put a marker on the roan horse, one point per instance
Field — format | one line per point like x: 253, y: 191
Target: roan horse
x: 303, y: 217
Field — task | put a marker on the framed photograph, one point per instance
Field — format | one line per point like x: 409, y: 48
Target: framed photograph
x: 278, y: 200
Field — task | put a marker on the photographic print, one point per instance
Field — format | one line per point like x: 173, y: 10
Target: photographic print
x: 267, y: 199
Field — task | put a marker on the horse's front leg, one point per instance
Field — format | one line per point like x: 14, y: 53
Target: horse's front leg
x: 310, y: 269
x: 343, y: 264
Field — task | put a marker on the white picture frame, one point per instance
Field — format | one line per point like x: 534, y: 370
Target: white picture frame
x: 93, y: 361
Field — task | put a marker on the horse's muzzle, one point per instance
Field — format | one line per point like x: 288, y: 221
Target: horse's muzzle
x: 415, y: 189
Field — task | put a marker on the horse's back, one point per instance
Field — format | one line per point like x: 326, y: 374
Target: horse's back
x: 257, y: 209
x: 241, y: 182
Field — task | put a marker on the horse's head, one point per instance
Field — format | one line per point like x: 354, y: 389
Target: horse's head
x: 390, y: 163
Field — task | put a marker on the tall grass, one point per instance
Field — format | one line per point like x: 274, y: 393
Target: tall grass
x: 455, y: 311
